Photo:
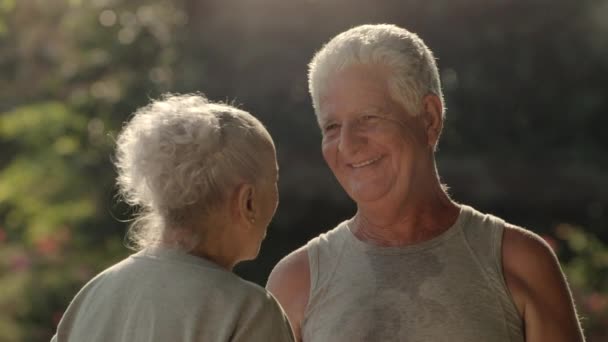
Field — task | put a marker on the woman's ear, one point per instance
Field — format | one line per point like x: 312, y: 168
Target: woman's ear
x: 245, y: 205
x: 433, y: 118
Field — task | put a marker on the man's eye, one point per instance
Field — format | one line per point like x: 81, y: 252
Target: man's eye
x: 330, y: 127
x: 368, y: 118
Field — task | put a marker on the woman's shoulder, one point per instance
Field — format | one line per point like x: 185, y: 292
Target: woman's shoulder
x: 251, y: 291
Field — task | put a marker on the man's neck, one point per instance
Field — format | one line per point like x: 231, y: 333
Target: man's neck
x: 413, y: 220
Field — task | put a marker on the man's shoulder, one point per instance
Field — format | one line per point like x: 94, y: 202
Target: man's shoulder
x: 293, y: 269
x: 526, y: 260
x: 538, y: 285
x: 481, y: 218
x: 517, y: 242
x: 526, y: 252
x: 289, y: 283
x: 514, y: 244
x: 330, y: 239
x: 530, y: 266
x: 297, y: 262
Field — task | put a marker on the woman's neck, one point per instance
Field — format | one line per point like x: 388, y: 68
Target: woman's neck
x: 209, y: 239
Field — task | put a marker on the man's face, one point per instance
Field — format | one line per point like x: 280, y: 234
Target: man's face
x: 371, y: 144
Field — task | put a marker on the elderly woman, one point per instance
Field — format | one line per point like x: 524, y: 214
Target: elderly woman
x: 204, y: 179
x: 412, y: 264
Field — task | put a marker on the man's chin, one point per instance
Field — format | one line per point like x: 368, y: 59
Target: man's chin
x: 367, y: 196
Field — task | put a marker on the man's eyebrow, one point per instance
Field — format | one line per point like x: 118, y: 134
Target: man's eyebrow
x: 373, y: 110
x: 323, y: 121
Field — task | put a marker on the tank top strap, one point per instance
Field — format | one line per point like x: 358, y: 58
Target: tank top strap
x: 324, y: 254
x: 484, y: 236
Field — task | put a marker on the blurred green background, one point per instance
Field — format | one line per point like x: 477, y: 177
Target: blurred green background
x: 525, y: 137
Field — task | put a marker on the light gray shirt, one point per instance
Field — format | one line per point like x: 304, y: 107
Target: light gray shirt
x: 165, y: 295
x: 450, y: 288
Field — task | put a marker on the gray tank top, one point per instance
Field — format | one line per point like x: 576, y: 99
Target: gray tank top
x: 450, y: 288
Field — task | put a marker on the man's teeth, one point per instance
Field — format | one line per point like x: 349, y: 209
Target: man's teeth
x: 365, y: 163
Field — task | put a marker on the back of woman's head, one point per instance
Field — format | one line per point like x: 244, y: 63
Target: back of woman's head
x: 178, y: 156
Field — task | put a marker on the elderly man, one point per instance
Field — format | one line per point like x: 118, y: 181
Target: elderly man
x: 412, y: 264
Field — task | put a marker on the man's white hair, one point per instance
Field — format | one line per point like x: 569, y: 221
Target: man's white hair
x: 411, y: 63
x: 179, y: 156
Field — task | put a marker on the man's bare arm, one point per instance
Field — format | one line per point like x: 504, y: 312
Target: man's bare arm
x: 289, y: 283
x: 539, y: 288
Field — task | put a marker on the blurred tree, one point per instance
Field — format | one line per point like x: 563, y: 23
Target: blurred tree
x: 72, y: 72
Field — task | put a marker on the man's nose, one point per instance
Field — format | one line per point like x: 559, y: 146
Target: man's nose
x: 351, y: 139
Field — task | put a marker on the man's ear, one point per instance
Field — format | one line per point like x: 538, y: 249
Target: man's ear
x: 433, y: 118
x: 244, y: 203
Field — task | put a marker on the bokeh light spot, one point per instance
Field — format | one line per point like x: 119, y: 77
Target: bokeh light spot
x: 126, y: 36
x: 107, y: 18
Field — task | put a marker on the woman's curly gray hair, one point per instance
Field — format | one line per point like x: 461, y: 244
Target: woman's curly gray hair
x: 178, y: 156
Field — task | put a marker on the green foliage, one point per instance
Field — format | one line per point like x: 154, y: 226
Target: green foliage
x: 587, y: 273
x: 42, y: 190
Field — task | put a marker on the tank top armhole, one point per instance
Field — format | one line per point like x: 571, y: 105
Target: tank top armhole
x: 313, y: 269
x: 497, y: 236
x: 324, y: 252
x: 497, y: 241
